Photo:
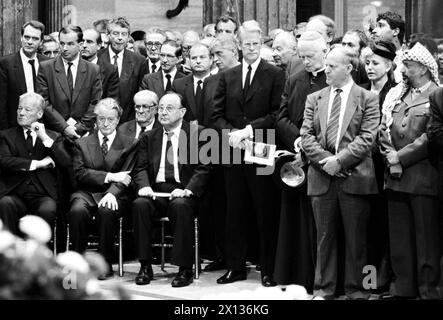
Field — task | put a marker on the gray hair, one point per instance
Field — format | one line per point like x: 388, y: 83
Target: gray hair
x: 110, y: 104
x: 35, y: 97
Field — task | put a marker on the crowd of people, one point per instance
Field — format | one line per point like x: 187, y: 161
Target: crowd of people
x: 107, y: 122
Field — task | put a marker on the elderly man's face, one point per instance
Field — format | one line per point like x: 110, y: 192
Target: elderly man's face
x: 201, y: 59
x: 107, y: 120
x: 312, y: 55
x: 145, y: 109
x: 28, y: 112
x: 168, y: 58
x: 170, y: 111
x: 337, y: 71
x: 153, y: 44
x: 251, y: 44
x: 282, y: 51
x: 118, y: 37
x: 51, y: 49
x: 224, y: 58
x: 412, y: 71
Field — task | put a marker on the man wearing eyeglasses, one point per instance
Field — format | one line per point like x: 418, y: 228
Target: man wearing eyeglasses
x: 145, y: 104
x: 161, y: 81
x: 102, y: 162
x: 153, y: 43
x: 131, y: 66
x: 190, y: 38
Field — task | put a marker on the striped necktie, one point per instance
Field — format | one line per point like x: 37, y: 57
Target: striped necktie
x: 333, y: 124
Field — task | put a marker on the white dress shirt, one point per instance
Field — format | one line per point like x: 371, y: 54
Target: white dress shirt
x: 74, y: 68
x: 119, y: 59
x: 254, y: 67
x: 111, y: 138
x: 346, y: 90
x: 138, y: 129
x: 174, y: 141
x: 47, y: 144
x: 157, y: 64
x: 165, y: 80
x: 28, y: 70
x: 196, y: 80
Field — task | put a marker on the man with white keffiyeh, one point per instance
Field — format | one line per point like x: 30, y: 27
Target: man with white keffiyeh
x: 411, y: 180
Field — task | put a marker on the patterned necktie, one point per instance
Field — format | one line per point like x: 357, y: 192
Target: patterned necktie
x: 34, y: 75
x: 247, y: 81
x: 154, y: 67
x: 70, y: 78
x: 105, y: 146
x: 116, y: 64
x: 169, y: 159
x: 29, y: 142
x: 199, y: 101
x: 168, y: 83
x: 333, y: 124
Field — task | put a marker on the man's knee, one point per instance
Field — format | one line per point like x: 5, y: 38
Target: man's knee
x: 78, y: 211
x: 142, y: 206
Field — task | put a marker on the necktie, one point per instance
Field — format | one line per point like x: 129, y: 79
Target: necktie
x: 29, y: 143
x: 154, y: 67
x: 247, y: 81
x: 34, y: 75
x: 332, y: 129
x: 105, y: 146
x: 70, y: 78
x: 116, y: 64
x: 169, y: 159
x: 199, y: 101
x: 168, y: 83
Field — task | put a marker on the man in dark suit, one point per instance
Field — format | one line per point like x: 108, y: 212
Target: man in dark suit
x: 145, y: 104
x: 161, y: 81
x: 18, y: 72
x: 435, y: 132
x: 109, y: 73
x: 245, y: 103
x: 411, y: 179
x: 164, y: 165
x: 131, y: 66
x: 102, y: 166
x: 339, y: 129
x: 71, y: 86
x: 192, y: 86
x: 28, y: 156
x: 153, y: 42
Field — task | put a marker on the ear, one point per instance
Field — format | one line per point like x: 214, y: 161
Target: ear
x: 396, y: 32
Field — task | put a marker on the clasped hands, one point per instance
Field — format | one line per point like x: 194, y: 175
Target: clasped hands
x: 332, y: 166
x: 177, y: 193
x: 120, y: 177
x: 394, y: 165
x: 238, y: 138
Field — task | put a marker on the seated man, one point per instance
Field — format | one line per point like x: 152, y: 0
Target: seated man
x: 163, y: 165
x: 145, y: 105
x: 102, y: 175
x: 28, y: 156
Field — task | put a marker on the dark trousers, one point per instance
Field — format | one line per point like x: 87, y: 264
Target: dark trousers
x: 243, y: 183
x: 354, y: 212
x: 414, y: 239
x: 13, y: 207
x: 181, y: 213
x: 79, y: 219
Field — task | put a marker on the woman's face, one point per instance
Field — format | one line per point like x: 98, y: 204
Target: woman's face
x: 376, y: 67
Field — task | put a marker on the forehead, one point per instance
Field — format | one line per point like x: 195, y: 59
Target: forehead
x: 199, y: 51
x: 411, y: 63
x: 316, y: 25
x: 336, y: 57
x: 250, y: 37
x: 351, y: 37
x: 31, y: 31
x: 71, y: 36
x: 170, y: 100
x: 383, y: 23
x: 116, y: 27
x: 90, y: 35
x: 106, y: 111
x: 52, y: 45
x: 29, y: 102
x: 226, y: 25
x: 143, y: 99
x: 281, y: 42
x: 154, y: 37
x: 167, y: 48
x: 308, y: 48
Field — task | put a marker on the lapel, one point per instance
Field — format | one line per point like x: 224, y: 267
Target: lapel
x: 156, y: 149
x: 159, y: 86
x: 94, y: 148
x: 189, y: 94
x: 127, y: 66
x: 20, y: 72
x: 322, y: 107
x: 351, y: 105
x: 21, y: 143
x: 259, y: 77
x: 183, y: 140
x: 80, y: 79
x: 421, y: 99
x: 236, y: 83
x: 115, y: 151
x: 301, y: 91
x: 104, y: 56
x: 60, y: 74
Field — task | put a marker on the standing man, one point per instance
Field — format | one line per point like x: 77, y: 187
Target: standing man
x: 339, y: 129
x: 131, y: 66
x: 163, y: 165
x: 226, y: 25
x: 153, y: 42
x: 71, y: 87
x: 161, y: 81
x: 18, y: 72
x: 284, y: 49
x: 225, y: 53
x: 411, y: 178
x: 246, y: 102
x: 109, y: 73
x: 50, y: 47
x: 29, y: 155
x: 145, y: 104
x: 190, y: 38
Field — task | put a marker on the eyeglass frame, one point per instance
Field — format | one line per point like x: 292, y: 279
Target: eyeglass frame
x: 145, y: 107
x: 152, y: 44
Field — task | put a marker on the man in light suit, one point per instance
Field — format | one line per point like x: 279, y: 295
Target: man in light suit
x: 29, y: 158
x: 71, y: 86
x: 145, y: 104
x: 18, y: 72
x: 161, y: 81
x: 339, y: 129
x: 131, y: 66
x: 411, y: 178
x: 246, y: 101
x: 102, y: 162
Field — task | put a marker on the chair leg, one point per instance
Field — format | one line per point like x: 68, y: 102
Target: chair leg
x: 197, y: 253
x: 67, y: 237
x: 163, y: 248
x: 120, y: 248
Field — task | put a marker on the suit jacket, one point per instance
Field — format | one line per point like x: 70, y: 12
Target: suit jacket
x: 91, y: 167
x: 15, y: 161
x: 12, y: 86
x: 290, y: 117
x: 129, y: 128
x: 185, y: 87
x: 258, y: 108
x: 358, y: 132
x: 154, y: 82
x: 53, y: 86
x: 110, y: 80
x: 193, y: 175
x: 133, y: 70
x: 409, y: 138
x: 294, y: 66
x: 435, y: 132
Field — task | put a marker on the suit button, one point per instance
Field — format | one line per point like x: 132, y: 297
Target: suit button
x: 402, y: 136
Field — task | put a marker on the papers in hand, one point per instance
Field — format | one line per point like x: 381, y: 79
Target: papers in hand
x: 162, y: 194
x: 260, y: 153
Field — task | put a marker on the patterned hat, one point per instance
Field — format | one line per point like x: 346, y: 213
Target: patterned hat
x: 420, y: 54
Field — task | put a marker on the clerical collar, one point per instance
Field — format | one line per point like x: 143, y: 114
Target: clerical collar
x: 315, y: 73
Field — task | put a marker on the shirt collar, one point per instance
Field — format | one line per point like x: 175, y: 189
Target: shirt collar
x: 176, y: 131
x: 196, y: 80
x: 74, y: 62
x: 112, y: 54
x: 172, y: 73
x: 254, y: 65
x: 25, y: 58
x: 33, y: 133
x: 95, y: 60
x: 346, y: 88
x: 148, y: 127
x: 110, y: 137
x: 424, y: 88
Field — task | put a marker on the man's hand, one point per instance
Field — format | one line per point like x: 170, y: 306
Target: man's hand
x: 146, y: 192
x: 40, y: 130
x: 71, y: 133
x: 177, y: 193
x: 45, y: 163
x: 331, y: 165
x: 109, y: 201
x: 392, y: 158
x: 120, y: 177
x: 396, y: 171
x: 236, y: 138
